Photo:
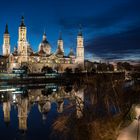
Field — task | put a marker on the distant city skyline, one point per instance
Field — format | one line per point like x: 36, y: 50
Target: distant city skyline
x: 111, y: 28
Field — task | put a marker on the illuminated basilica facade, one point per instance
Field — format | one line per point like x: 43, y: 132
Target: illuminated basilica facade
x: 24, y: 55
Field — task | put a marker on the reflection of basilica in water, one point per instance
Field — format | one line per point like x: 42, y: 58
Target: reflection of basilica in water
x: 24, y: 99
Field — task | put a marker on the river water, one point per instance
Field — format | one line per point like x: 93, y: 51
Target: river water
x: 73, y: 111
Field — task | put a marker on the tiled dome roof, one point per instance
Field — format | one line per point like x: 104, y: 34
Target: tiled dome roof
x: 71, y: 53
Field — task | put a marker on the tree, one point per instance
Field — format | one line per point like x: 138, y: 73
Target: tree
x: 78, y: 70
x: 119, y: 66
x: 127, y: 66
x: 124, y: 66
x: 110, y: 67
x: 47, y: 69
x: 68, y: 70
x: 25, y: 68
x: 102, y: 67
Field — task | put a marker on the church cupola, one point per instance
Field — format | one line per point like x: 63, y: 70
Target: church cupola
x: 44, y: 37
x: 60, y: 49
x: 6, y: 42
x: 45, y: 45
x: 71, y: 54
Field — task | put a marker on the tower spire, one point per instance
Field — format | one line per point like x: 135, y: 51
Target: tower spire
x: 6, y: 29
x: 80, y: 30
x: 22, y: 22
x: 60, y: 35
x: 6, y: 42
x: 44, y: 31
x: 44, y: 36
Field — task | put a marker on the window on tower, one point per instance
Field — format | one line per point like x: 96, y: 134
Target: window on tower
x: 6, y: 51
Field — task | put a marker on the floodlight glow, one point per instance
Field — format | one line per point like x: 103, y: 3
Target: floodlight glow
x: 14, y: 97
x: 11, y: 89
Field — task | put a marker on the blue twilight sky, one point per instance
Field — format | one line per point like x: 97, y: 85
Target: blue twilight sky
x: 111, y: 28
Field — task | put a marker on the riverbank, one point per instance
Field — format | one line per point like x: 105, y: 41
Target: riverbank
x: 132, y: 132
x: 57, y: 78
x: 107, y: 111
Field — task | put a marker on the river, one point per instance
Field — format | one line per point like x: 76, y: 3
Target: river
x: 71, y: 111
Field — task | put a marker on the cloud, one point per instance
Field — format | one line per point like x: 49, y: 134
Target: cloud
x: 124, y: 45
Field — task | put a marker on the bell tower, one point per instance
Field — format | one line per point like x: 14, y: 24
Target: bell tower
x: 6, y: 42
x: 80, y: 48
x: 22, y: 40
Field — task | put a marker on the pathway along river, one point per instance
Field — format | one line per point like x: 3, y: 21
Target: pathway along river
x: 132, y: 132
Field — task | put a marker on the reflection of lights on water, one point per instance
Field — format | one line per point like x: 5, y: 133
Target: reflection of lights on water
x: 11, y: 89
x: 2, y: 96
x: 17, y: 92
x: 14, y: 98
x: 54, y: 89
x: 14, y: 64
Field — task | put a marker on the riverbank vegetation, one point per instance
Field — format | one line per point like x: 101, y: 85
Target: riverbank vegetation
x: 107, y: 109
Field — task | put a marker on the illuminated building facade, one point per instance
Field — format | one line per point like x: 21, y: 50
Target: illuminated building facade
x: 6, y: 42
x: 24, y: 55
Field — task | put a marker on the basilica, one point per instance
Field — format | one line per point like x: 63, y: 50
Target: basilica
x: 23, y: 54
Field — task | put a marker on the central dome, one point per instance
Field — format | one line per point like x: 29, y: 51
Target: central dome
x: 45, y: 45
